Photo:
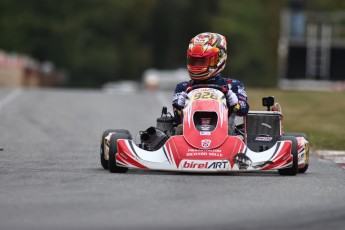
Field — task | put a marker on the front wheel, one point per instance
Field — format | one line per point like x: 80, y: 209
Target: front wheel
x: 113, y: 151
x: 292, y: 171
x: 297, y: 135
x: 304, y: 169
x: 104, y: 162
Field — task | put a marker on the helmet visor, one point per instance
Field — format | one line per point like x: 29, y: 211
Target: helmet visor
x: 197, y: 61
x: 207, y: 61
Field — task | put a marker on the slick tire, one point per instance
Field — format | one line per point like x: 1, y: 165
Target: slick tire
x: 113, y: 168
x: 104, y: 162
x: 305, y: 168
x: 292, y: 171
x: 297, y: 135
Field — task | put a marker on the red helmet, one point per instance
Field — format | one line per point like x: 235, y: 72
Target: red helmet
x: 206, y: 55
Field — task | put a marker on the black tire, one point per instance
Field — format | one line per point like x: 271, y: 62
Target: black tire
x: 113, y: 168
x: 104, y: 162
x: 305, y: 168
x: 292, y: 171
x: 297, y: 135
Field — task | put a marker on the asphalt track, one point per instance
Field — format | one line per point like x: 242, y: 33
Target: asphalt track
x: 50, y: 176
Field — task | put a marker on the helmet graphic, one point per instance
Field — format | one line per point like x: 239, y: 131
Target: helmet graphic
x: 206, y: 55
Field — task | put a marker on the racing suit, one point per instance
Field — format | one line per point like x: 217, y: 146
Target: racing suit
x: 236, y: 86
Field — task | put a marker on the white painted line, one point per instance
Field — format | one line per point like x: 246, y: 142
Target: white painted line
x: 339, y: 160
x: 330, y: 152
x: 10, y: 97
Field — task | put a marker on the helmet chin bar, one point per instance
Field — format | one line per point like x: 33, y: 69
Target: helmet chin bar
x: 207, y: 73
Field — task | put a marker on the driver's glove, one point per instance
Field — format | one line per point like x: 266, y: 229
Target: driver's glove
x: 231, y: 98
x: 181, y: 101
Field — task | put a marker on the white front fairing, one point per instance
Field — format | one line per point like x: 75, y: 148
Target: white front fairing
x: 255, y: 160
x: 232, y: 156
x: 151, y: 159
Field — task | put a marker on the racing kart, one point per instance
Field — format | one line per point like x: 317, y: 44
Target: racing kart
x: 205, y: 142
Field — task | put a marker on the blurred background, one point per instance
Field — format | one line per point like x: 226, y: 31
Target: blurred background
x: 87, y: 43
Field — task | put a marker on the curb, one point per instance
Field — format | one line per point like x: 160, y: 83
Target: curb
x: 334, y: 155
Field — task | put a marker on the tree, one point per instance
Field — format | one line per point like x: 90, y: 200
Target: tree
x: 109, y: 40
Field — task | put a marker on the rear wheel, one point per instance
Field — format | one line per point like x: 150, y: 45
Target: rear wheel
x: 292, y: 171
x: 104, y: 162
x: 113, y: 151
x: 297, y: 135
x: 305, y: 168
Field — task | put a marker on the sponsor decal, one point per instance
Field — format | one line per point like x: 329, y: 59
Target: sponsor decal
x: 301, y: 157
x: 208, y: 152
x: 204, y: 165
x: 205, y: 143
x: 204, y: 133
x: 200, y: 40
x: 244, y: 162
x: 263, y: 138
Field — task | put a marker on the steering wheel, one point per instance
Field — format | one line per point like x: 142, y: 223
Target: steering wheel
x: 223, y: 89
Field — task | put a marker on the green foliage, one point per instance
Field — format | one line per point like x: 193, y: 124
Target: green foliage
x: 252, y: 31
x: 235, y: 21
x: 318, y: 114
x: 108, y: 40
x: 97, y: 41
x: 322, y: 5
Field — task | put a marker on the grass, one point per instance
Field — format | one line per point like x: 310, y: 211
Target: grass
x: 321, y: 115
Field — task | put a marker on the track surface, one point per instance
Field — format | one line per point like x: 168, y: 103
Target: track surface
x: 50, y: 176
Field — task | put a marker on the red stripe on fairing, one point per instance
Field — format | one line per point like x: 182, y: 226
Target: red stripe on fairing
x: 278, y: 160
x: 300, y: 144
x: 131, y: 159
x: 124, y: 162
x: 239, y: 147
x: 125, y: 147
x: 168, y: 149
x: 284, y: 165
x: 172, y: 152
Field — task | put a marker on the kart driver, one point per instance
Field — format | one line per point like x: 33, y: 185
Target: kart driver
x: 206, y: 58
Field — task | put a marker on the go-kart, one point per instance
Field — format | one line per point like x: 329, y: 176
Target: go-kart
x: 205, y: 142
